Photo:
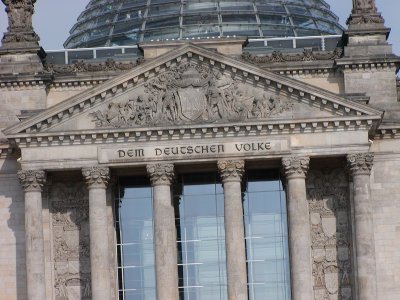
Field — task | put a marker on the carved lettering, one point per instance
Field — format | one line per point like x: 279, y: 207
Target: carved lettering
x: 147, y: 152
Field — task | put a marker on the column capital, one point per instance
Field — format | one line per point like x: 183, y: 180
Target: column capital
x: 360, y: 163
x: 96, y: 177
x: 295, y: 166
x: 32, y: 180
x: 160, y: 173
x: 231, y: 170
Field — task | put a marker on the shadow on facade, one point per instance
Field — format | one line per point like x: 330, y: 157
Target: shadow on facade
x: 11, y: 189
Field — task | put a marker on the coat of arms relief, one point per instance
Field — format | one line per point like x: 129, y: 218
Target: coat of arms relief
x: 329, y: 206
x: 192, y: 93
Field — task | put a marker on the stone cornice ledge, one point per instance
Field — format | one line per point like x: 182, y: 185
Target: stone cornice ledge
x: 388, y: 131
x: 123, y: 135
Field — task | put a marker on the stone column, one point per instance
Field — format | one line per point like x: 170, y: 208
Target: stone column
x: 97, y: 179
x: 360, y: 165
x: 295, y: 168
x: 231, y: 172
x: 32, y: 182
x: 166, y: 263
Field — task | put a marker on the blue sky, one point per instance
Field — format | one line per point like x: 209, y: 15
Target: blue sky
x: 54, y: 18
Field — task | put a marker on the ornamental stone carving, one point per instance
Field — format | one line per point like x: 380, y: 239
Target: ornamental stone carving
x: 96, y: 177
x: 231, y: 170
x: 70, y: 240
x: 20, y: 27
x: 32, y: 180
x: 82, y: 67
x: 160, y: 174
x: 364, y: 6
x: 360, y: 163
x: 192, y: 93
x: 365, y: 12
x: 306, y: 55
x: 295, y: 166
x: 328, y: 198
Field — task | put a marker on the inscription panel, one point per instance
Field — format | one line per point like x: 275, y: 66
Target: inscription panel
x: 183, y: 151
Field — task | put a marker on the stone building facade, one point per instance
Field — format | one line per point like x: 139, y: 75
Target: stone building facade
x: 328, y: 121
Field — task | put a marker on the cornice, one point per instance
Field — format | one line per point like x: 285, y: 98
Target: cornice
x: 82, y: 102
x: 24, y: 81
x: 202, y: 131
x: 389, y: 131
x: 389, y: 62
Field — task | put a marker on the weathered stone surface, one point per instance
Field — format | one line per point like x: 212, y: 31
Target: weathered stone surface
x: 295, y: 169
x: 161, y: 176
x: 194, y: 97
x: 329, y: 204
x: 231, y: 172
x: 69, y: 209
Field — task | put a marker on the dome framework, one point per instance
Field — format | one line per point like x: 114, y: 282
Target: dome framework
x: 126, y: 22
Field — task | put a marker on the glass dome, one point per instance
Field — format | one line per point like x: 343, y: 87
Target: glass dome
x: 127, y: 22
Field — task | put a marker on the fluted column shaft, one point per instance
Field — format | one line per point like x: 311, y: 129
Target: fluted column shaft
x: 32, y: 182
x: 97, y: 179
x: 360, y: 165
x: 295, y: 169
x: 231, y: 172
x: 166, y: 264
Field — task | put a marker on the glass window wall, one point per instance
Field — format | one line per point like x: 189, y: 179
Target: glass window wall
x: 266, y: 235
x: 201, y: 238
x: 199, y: 212
x: 135, y: 250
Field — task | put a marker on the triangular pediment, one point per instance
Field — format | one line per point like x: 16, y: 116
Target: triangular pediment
x: 192, y: 87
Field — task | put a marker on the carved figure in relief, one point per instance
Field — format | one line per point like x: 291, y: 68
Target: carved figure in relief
x: 171, y: 106
x: 191, y: 93
x: 318, y: 273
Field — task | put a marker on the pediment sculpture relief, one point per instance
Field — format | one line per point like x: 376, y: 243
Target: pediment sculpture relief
x: 191, y: 93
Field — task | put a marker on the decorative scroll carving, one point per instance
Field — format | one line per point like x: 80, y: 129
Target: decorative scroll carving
x: 295, y: 166
x: 20, y: 27
x: 191, y: 93
x: 231, y: 170
x: 96, y: 177
x: 81, y: 67
x: 71, y: 249
x: 160, y: 174
x: 306, y: 55
x: 328, y: 197
x: 32, y: 180
x: 360, y: 163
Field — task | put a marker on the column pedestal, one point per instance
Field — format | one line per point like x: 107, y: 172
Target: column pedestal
x: 231, y: 173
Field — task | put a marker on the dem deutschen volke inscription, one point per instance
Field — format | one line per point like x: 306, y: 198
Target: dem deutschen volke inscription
x: 138, y: 153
